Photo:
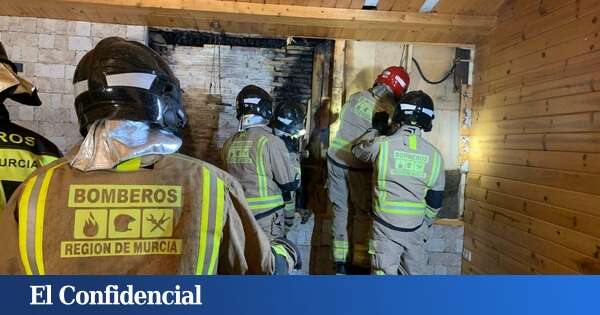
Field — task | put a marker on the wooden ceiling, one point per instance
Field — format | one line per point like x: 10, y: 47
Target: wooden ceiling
x: 469, y: 7
x: 452, y: 21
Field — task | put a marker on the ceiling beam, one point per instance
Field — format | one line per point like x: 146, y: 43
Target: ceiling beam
x: 182, y: 13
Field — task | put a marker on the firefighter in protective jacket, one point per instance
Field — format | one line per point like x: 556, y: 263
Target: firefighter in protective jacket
x: 349, y: 179
x: 124, y: 202
x: 260, y: 160
x: 288, y: 123
x: 408, y: 186
x: 22, y: 151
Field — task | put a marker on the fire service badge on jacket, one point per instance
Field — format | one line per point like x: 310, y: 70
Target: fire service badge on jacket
x: 123, y: 220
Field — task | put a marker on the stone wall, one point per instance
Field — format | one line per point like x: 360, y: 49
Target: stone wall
x: 49, y: 51
x: 444, y: 247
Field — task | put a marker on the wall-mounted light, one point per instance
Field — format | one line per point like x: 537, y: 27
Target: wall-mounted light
x: 428, y: 5
x: 370, y: 4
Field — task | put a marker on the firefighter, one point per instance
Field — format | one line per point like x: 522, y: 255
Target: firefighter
x: 22, y: 151
x: 124, y: 202
x: 349, y: 180
x: 289, y: 125
x: 260, y: 160
x: 408, y: 176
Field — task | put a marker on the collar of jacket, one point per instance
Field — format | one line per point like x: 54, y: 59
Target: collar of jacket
x: 147, y: 160
x: 4, y: 115
x: 112, y: 142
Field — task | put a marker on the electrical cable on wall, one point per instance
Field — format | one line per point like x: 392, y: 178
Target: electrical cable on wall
x: 215, y: 73
x: 404, y: 55
x: 450, y: 72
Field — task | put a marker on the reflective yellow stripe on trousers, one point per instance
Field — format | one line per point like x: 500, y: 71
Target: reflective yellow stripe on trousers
x: 211, y: 222
x: 32, y: 206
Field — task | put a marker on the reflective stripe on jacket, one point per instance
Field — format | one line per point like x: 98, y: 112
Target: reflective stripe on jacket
x: 406, y: 166
x: 154, y: 215
x: 22, y: 151
x: 261, y: 162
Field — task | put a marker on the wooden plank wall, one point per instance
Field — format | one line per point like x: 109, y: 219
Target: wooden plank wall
x: 533, y: 192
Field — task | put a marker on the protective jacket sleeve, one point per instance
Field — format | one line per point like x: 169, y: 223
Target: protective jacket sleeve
x: 284, y: 171
x: 245, y: 248
x: 366, y: 148
x: 435, y: 193
x: 223, y: 154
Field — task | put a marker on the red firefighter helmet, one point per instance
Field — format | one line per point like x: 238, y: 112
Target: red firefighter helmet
x: 396, y: 79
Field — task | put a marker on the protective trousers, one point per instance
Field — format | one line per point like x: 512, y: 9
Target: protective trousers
x: 272, y: 224
x: 350, y: 194
x: 395, y: 252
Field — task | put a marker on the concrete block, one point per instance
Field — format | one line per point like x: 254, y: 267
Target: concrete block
x: 28, y: 70
x: 49, y: 129
x: 46, y: 40
x: 4, y: 23
x: 68, y: 86
x: 436, y: 245
x: 69, y: 71
x: 445, y: 259
x: 14, y: 25
x: 25, y: 113
x: 29, y: 54
x: 61, y: 42
x: 440, y: 270
x: 425, y: 270
x: 28, y: 24
x: 104, y: 30
x: 49, y: 85
x: 121, y: 30
x: 20, y: 39
x: 450, y: 245
x: 79, y: 43
x: 454, y: 270
x: 445, y: 231
x: 459, y: 246
x: 51, y: 102
x: 137, y: 33
x: 51, y: 113
x: 57, y: 86
x: 15, y: 53
x: 43, y: 84
x: 79, y: 28
x: 31, y: 125
x: 96, y: 40
x: 72, y: 131
x: 56, y: 56
x: 50, y: 70
x: 51, y: 26
x: 23, y: 24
